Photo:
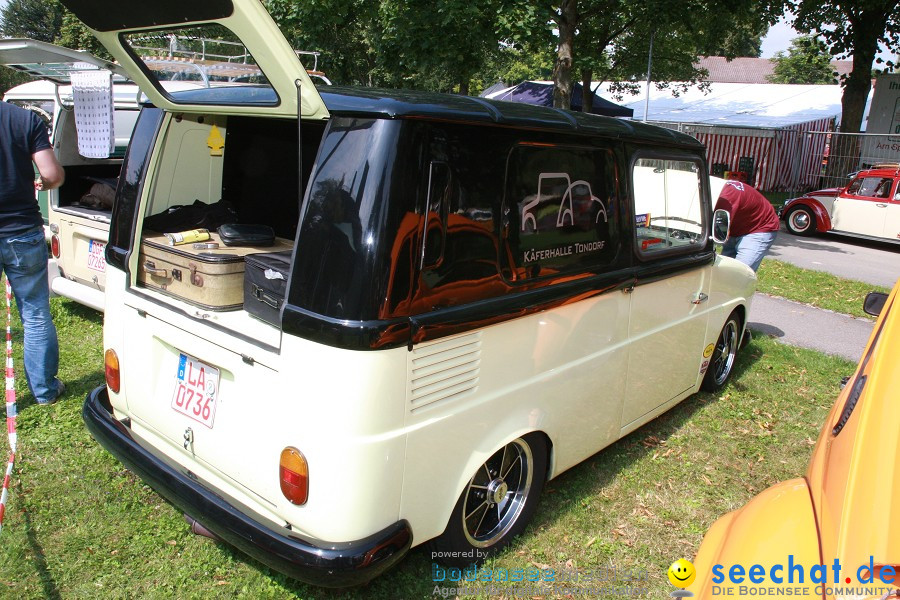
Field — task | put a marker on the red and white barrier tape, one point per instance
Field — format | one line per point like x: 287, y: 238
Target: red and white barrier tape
x: 10, y: 406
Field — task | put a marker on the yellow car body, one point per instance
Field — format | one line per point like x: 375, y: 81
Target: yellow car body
x: 834, y: 533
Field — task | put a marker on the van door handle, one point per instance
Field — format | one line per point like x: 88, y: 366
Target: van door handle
x: 700, y: 298
x: 880, y: 205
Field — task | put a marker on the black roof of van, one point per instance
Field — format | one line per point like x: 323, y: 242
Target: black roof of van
x: 395, y: 104
x: 375, y: 102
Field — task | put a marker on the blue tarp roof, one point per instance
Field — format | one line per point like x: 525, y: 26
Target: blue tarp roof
x: 541, y: 94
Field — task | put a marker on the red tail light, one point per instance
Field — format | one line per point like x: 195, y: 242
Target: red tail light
x: 54, y: 246
x: 294, y: 475
x: 111, y: 362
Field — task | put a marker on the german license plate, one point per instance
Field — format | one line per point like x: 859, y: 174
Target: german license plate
x: 196, y: 390
x: 96, y: 259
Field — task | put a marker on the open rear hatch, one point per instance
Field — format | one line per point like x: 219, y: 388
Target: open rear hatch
x: 219, y: 44
x: 46, y: 61
x: 196, y: 376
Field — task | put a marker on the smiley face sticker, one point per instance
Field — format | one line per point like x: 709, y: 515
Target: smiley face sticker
x: 682, y: 573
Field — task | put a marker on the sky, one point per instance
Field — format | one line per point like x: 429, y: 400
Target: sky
x: 777, y: 39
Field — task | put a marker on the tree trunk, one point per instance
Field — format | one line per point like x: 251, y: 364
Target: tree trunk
x: 856, y: 90
x: 464, y: 88
x: 562, y: 70
x: 853, y: 100
x: 587, y: 95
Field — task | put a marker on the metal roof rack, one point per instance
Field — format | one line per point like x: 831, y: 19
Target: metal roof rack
x: 207, y: 57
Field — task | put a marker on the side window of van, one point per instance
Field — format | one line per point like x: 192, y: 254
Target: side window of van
x: 668, y: 207
x: 562, y: 208
x: 461, y: 246
x: 461, y: 255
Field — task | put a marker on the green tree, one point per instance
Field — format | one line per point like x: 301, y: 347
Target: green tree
x: 74, y: 34
x: 438, y: 45
x: 37, y: 19
x: 523, y: 46
x: 611, y: 38
x: 807, y: 61
x: 623, y: 54
x: 347, y: 33
x: 10, y: 78
x: 852, y: 29
x: 745, y: 39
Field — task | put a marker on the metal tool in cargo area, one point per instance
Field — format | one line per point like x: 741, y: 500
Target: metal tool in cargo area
x: 187, y: 237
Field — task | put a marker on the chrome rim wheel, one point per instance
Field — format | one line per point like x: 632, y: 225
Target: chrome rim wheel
x: 799, y: 221
x: 725, y: 352
x: 496, y: 494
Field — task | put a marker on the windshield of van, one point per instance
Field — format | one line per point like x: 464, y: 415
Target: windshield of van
x: 207, y: 56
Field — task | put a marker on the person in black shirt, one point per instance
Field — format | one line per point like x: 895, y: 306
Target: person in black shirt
x: 23, y: 250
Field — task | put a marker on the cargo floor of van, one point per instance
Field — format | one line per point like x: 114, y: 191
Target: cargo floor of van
x: 89, y: 191
x: 94, y: 214
x: 219, y: 327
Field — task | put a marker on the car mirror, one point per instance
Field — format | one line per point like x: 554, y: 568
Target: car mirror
x: 721, y: 225
x: 874, y: 302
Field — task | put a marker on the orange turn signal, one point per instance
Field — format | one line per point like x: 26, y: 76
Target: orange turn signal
x: 294, y: 475
x: 111, y: 362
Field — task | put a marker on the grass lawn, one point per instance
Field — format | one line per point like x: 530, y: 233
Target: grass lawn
x: 777, y: 199
x: 79, y: 525
x: 816, y: 288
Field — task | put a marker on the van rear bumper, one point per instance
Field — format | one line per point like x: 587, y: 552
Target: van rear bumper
x: 338, y: 564
x: 79, y: 292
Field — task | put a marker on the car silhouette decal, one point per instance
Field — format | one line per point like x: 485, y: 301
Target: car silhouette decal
x: 565, y: 205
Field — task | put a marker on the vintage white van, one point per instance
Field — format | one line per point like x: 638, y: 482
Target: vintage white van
x: 478, y: 295
x: 77, y: 221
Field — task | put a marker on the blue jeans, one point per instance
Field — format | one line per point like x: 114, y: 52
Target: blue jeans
x: 749, y: 249
x: 23, y: 257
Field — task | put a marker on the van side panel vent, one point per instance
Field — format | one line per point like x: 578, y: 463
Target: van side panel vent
x: 444, y: 370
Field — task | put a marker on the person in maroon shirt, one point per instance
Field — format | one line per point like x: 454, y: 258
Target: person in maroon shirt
x: 753, y: 223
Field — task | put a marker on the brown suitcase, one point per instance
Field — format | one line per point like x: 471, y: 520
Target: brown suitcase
x: 212, y: 279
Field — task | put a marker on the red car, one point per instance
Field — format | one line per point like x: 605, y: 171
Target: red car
x: 869, y: 207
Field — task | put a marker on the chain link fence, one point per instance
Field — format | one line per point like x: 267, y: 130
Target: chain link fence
x: 789, y: 159
x: 847, y: 153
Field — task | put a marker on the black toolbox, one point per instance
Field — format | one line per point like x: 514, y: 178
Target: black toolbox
x: 265, y: 282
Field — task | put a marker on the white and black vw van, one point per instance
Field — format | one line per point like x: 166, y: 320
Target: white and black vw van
x: 472, y: 297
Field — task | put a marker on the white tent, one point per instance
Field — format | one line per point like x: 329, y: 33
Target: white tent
x: 771, y: 105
